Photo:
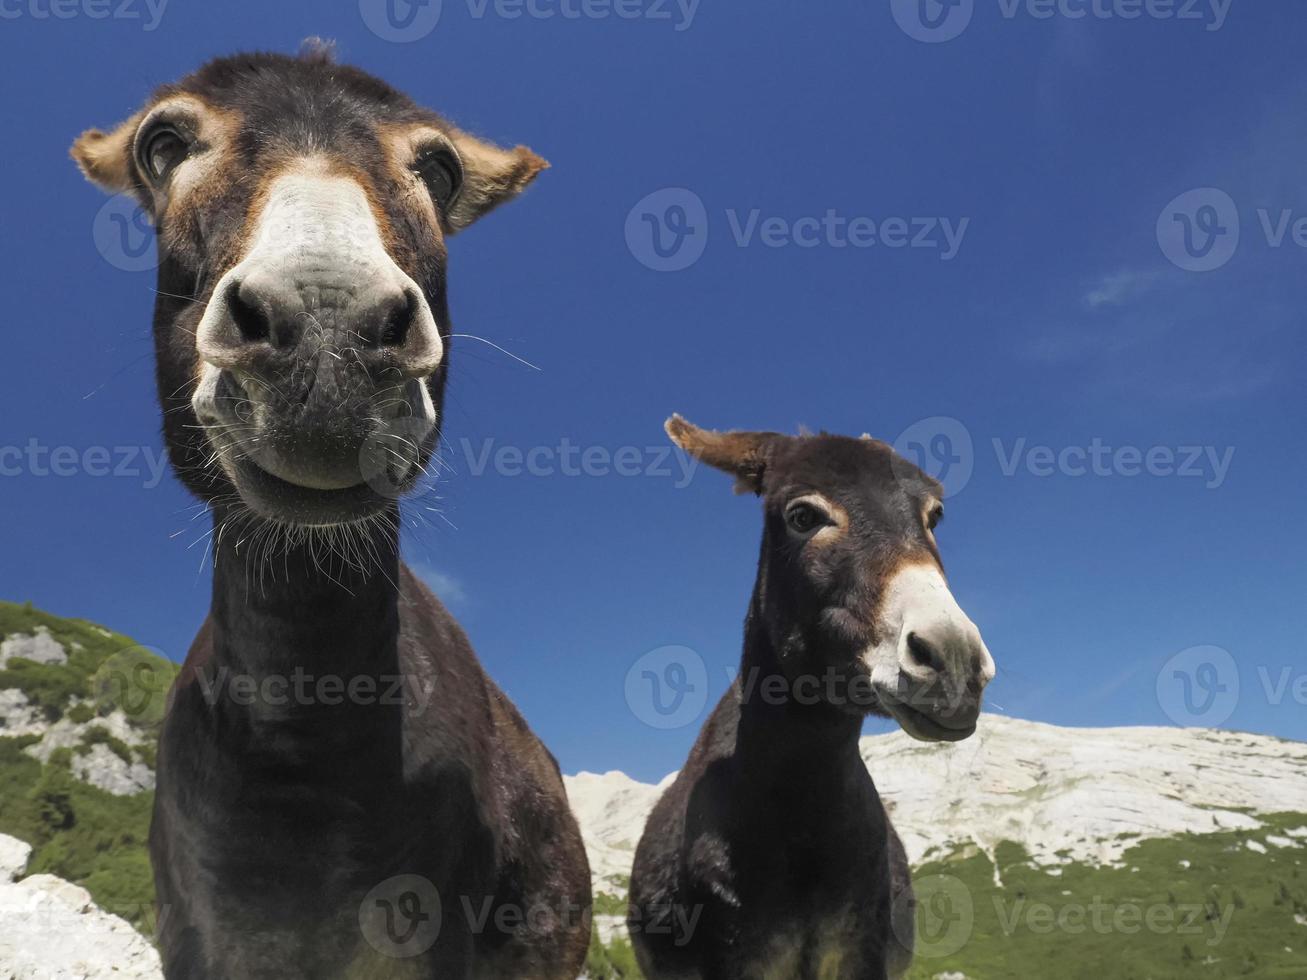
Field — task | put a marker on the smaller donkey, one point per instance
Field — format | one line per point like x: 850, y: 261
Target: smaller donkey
x: 771, y: 855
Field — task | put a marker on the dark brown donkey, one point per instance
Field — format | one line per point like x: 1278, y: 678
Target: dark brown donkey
x: 771, y: 855
x: 342, y: 792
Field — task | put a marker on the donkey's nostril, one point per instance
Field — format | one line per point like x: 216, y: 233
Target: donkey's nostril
x: 397, y: 320
x: 923, y: 653
x: 252, y: 322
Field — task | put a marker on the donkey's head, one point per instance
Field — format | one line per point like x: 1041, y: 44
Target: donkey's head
x: 851, y: 589
x: 301, y: 326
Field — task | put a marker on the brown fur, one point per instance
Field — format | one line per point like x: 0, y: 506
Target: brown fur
x: 273, y: 821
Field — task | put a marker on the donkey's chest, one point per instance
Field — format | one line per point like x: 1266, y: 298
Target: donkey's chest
x: 832, y: 946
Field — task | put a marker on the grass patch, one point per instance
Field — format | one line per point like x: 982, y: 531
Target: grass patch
x: 79, y: 832
x: 1228, y: 914
x: 615, y: 961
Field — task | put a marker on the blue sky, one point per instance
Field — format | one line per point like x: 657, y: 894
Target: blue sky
x: 787, y: 155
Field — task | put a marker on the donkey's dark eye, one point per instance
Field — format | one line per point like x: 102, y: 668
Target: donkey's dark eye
x: 804, y: 518
x: 936, y: 515
x: 160, y: 150
x: 441, y: 172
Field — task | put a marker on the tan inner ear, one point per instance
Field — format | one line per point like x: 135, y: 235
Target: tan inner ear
x: 106, y: 158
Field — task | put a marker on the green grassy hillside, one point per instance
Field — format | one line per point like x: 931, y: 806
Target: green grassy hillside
x: 77, y: 831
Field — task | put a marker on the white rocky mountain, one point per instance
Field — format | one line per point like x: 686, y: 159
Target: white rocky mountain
x: 1064, y: 794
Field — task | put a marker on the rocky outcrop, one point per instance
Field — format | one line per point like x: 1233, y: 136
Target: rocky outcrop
x: 95, y: 762
x: 53, y: 931
x: 105, y: 769
x: 39, y: 646
x: 18, y: 716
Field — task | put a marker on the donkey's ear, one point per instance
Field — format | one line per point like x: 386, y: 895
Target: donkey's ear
x: 491, y: 176
x: 106, y: 158
x: 741, y: 454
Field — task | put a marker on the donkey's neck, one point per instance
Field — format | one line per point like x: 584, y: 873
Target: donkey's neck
x: 788, y: 731
x: 297, y: 613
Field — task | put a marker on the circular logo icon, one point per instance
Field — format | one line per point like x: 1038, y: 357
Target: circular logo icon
x: 668, y: 687
x: 942, y: 447
x: 932, y: 21
x: 1199, y: 687
x: 1199, y: 230
x: 946, y: 916
x: 124, y: 235
x: 135, y: 681
x: 401, y: 21
x: 667, y: 230
x: 401, y: 916
x: 389, y: 455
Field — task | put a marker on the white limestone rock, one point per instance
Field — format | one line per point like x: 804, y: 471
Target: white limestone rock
x: 53, y: 931
x: 39, y: 646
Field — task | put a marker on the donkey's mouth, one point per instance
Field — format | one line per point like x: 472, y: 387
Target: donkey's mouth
x: 926, y: 727
x: 323, y: 467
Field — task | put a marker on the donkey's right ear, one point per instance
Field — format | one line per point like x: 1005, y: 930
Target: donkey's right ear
x: 741, y: 454
x: 106, y: 158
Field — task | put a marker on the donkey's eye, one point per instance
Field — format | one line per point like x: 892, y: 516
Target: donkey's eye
x: 804, y: 518
x: 160, y: 150
x: 934, y: 517
x: 441, y: 172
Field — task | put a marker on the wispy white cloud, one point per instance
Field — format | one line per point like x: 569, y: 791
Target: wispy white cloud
x: 448, y: 588
x: 1120, y: 287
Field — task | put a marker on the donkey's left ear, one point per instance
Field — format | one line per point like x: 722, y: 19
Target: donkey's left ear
x: 106, y: 158
x: 741, y: 454
x: 491, y: 176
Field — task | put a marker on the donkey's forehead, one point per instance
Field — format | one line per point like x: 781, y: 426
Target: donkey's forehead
x: 838, y: 463
x: 297, y: 101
